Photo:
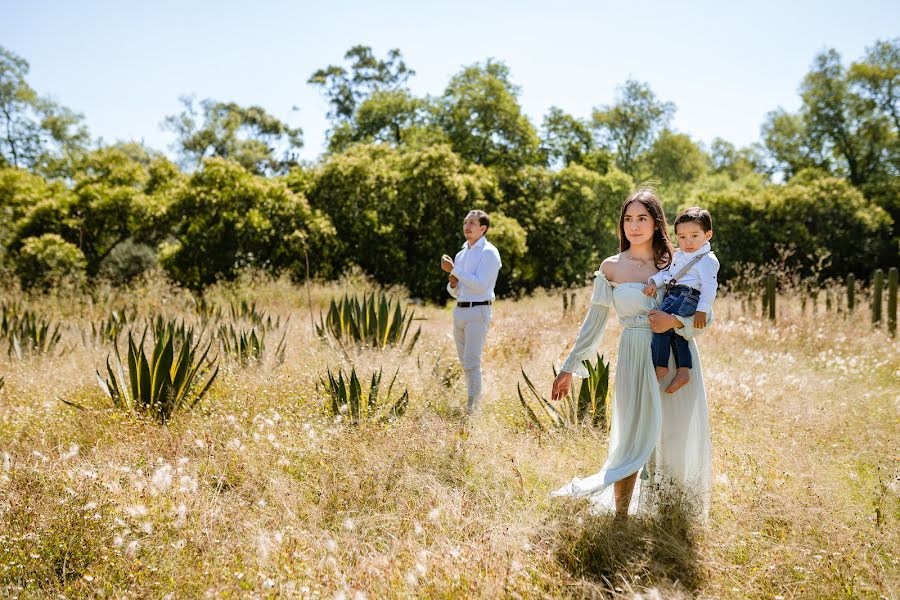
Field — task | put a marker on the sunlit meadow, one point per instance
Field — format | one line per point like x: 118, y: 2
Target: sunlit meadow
x: 259, y: 491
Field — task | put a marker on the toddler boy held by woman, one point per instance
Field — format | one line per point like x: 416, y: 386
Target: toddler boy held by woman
x: 690, y: 282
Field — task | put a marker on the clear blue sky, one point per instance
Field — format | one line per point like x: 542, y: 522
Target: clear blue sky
x: 724, y: 64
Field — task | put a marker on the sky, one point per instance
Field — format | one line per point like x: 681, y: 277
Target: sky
x: 124, y: 65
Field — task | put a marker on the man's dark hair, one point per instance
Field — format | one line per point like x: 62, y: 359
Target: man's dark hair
x: 697, y: 215
x: 483, y: 218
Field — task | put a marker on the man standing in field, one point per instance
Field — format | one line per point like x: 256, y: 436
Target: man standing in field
x: 472, y: 277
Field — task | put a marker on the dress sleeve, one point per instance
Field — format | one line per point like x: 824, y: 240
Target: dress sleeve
x: 689, y: 331
x: 592, y: 329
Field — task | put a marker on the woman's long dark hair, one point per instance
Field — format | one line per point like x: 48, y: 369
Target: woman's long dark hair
x: 662, y: 246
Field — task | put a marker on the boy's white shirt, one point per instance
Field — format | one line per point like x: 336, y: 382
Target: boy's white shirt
x: 701, y: 276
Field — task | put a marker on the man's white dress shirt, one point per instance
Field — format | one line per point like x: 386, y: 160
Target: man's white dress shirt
x: 476, y: 268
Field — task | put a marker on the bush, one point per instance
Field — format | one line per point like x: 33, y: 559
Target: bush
x: 49, y: 260
x: 126, y: 261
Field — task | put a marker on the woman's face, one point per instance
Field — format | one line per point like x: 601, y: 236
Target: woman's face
x: 638, y: 224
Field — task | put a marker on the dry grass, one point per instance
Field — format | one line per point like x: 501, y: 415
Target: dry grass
x: 259, y: 493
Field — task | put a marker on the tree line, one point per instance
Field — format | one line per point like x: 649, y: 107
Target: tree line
x: 401, y: 170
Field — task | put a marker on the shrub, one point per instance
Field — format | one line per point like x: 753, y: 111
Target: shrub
x: 48, y: 260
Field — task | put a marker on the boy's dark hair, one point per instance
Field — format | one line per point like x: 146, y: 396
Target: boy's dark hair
x: 697, y: 215
x: 483, y: 218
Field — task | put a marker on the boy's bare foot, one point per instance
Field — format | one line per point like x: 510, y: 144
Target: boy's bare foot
x: 682, y: 377
x: 661, y: 372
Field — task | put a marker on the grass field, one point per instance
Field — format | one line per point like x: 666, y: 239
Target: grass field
x: 259, y: 492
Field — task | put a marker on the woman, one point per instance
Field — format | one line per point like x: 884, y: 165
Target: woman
x: 665, y: 437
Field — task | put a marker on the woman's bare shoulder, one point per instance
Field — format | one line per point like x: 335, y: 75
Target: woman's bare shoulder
x: 608, y: 267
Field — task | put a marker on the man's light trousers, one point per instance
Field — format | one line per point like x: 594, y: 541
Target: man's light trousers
x: 470, y: 328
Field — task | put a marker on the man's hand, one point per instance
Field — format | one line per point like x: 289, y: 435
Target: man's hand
x: 650, y: 289
x: 446, y: 263
x: 454, y: 280
x: 561, y: 385
x: 699, y: 320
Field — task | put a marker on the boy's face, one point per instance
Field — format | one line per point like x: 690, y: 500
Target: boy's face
x: 691, y: 236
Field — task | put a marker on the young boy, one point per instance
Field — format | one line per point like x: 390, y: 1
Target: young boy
x: 690, y: 292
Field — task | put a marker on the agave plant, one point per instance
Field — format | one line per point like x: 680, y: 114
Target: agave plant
x: 588, y: 408
x: 375, y: 322
x: 346, y: 396
x: 26, y: 332
x: 179, y: 331
x: 245, y: 311
x: 2, y: 383
x: 109, y: 328
x: 246, y: 346
x: 206, y: 310
x: 159, y: 385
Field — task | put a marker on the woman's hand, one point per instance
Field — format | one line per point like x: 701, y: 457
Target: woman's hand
x: 561, y: 385
x: 661, y: 321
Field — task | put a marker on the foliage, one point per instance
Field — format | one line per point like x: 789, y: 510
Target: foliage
x: 589, y: 408
x: 109, y: 328
x: 47, y: 261
x: 228, y: 220
x: 246, y: 346
x: 346, y: 89
x: 565, y: 139
x: 480, y: 114
x: 631, y: 125
x: 114, y: 199
x: 377, y: 321
x: 247, y: 311
x: 823, y: 219
x: 26, y: 332
x: 37, y: 133
x: 249, y: 136
x: 171, y: 380
x: 347, y: 397
x: 394, y: 210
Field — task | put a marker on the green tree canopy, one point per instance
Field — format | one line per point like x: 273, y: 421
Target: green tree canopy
x: 247, y: 135
x: 35, y: 132
x: 481, y: 116
x: 631, y: 125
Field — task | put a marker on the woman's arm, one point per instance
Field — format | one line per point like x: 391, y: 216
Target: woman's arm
x: 683, y: 326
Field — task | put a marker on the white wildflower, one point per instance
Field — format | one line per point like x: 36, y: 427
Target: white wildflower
x: 136, y: 510
x: 162, y: 478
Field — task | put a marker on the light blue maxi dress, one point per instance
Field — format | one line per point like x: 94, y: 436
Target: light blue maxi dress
x: 663, y: 436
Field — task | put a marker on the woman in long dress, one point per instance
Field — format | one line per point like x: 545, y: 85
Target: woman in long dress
x: 664, y: 437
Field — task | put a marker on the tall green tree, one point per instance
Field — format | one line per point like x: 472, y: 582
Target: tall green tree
x: 107, y: 205
x: 227, y: 219
x: 480, y: 114
x: 396, y: 210
x: 347, y: 87
x: 564, y: 138
x: 35, y: 132
x: 250, y: 136
x: 631, y: 125
x: 673, y: 158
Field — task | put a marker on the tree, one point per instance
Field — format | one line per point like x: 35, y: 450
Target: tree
x: 388, y: 116
x: 35, y: 133
x: 106, y: 206
x: 630, y: 126
x: 481, y: 116
x: 576, y: 225
x: 227, y: 219
x: 247, y: 135
x: 565, y: 139
x: 673, y: 158
x: 346, y: 89
x: 396, y: 209
x: 725, y: 158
